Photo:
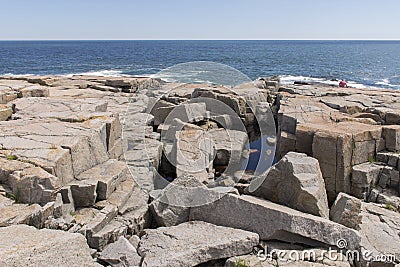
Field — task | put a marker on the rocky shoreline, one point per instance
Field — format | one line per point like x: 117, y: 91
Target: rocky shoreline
x: 124, y: 171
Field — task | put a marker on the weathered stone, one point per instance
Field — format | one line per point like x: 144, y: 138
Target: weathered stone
x: 120, y: 253
x: 7, y: 93
x: 346, y: 211
x: 5, y: 112
x: 392, y: 137
x: 190, y: 112
x: 61, y: 209
x: 295, y: 181
x: 108, y: 234
x: 339, y: 146
x: 63, y: 109
x: 11, y: 213
x: 273, y: 222
x: 35, y: 91
x: 290, y: 257
x: 192, y: 243
x: 108, y: 175
x: 379, y: 225
x: 99, y: 221
x: 84, y: 193
x: 121, y: 195
x: 63, y: 149
x: 325, y: 150
x: 286, y: 143
x: 104, y: 88
x: 363, y: 177
x: 137, y: 219
x: 236, y: 103
x: 171, y: 205
x: 229, y: 145
x: 192, y: 152
x: 33, y: 184
x: 39, y: 218
x: 29, y: 246
x: 161, y: 110
x: 134, y: 240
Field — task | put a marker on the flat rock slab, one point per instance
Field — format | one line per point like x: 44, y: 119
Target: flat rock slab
x: 192, y: 243
x: 31, y: 247
x: 274, y: 222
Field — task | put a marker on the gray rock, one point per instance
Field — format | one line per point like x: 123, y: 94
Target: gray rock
x: 30, y: 184
x: 97, y: 222
x: 172, y: 204
x: 378, y: 226
x: 12, y: 213
x: 229, y: 145
x: 346, y: 211
x: 5, y: 112
x: 192, y: 152
x: 108, y: 234
x: 295, y: 181
x: 190, y: 112
x: 84, y: 193
x: 35, y: 91
x: 161, y: 110
x: 120, y: 253
x: 134, y: 240
x: 31, y: 247
x: 108, y: 176
x: 273, y: 222
x: 313, y: 257
x: 192, y: 243
x: 363, y: 177
x: 392, y: 137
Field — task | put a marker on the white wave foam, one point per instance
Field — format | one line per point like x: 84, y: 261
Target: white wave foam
x: 290, y: 79
x: 106, y: 73
x: 386, y: 83
x: 17, y: 75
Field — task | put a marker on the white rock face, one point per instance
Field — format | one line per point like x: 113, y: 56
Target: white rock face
x: 295, y: 181
x: 192, y: 243
x: 31, y: 247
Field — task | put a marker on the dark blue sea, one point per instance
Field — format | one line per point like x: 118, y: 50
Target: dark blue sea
x: 362, y: 63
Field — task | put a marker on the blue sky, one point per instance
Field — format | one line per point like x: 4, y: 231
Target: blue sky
x: 200, y: 19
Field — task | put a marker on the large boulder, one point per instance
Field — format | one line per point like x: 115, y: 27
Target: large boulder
x: 273, y: 221
x: 229, y: 145
x: 192, y: 243
x: 391, y: 134
x: 376, y: 224
x: 171, y: 205
x: 379, y: 231
x: 32, y: 247
x: 346, y: 211
x: 295, y: 181
x: 364, y: 176
x: 120, y: 253
x: 5, y: 112
x: 12, y: 213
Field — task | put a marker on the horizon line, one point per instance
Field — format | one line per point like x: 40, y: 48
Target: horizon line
x: 305, y: 39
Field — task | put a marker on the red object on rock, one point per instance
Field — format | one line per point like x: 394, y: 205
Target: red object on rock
x: 343, y: 83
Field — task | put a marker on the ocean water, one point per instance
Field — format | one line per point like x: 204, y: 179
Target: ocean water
x: 362, y: 63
